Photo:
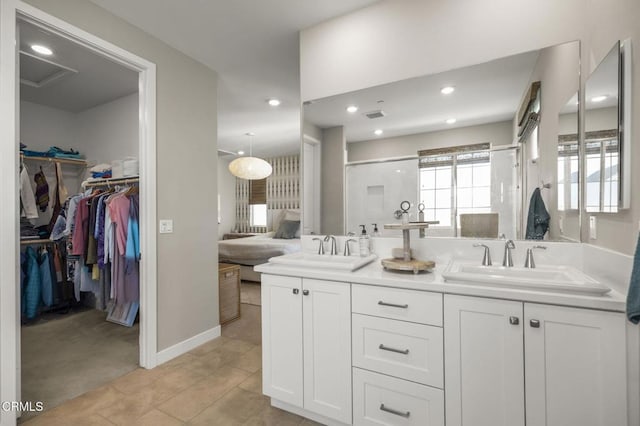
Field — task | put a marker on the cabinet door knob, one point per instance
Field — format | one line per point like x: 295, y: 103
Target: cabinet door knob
x: 296, y: 291
x: 305, y: 292
x: 534, y: 323
x: 514, y: 320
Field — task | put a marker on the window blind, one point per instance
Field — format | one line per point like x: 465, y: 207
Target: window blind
x: 258, y: 191
x: 465, y: 154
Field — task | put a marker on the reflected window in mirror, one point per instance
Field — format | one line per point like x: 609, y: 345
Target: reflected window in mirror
x: 455, y: 181
x: 568, y: 173
x: 602, y: 166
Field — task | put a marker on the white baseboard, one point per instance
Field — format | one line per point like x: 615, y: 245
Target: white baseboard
x: 187, y: 345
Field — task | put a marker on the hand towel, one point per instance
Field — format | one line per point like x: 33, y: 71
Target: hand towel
x: 633, y: 296
x: 538, y: 217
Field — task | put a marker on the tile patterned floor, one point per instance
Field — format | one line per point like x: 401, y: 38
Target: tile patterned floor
x: 218, y: 383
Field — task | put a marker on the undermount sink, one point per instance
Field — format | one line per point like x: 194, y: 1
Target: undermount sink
x: 309, y: 260
x: 550, y: 278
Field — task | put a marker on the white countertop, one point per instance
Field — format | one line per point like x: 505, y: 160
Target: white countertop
x: 374, y: 274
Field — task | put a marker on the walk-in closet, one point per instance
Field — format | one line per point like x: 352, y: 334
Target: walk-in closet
x: 79, y: 232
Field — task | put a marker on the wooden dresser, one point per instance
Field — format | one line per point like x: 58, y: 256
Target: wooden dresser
x: 229, y: 292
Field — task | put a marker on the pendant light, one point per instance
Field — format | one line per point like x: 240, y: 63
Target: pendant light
x: 250, y: 168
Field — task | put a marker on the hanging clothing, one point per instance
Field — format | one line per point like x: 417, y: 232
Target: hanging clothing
x: 32, y: 286
x: 27, y: 199
x: 46, y: 280
x: 538, y: 217
x: 42, y: 190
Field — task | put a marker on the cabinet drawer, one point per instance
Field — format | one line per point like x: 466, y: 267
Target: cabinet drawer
x: 384, y: 400
x: 407, y: 305
x: 401, y: 349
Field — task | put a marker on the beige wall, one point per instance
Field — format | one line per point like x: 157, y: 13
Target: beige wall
x: 409, y: 38
x: 495, y: 133
x: 332, y: 176
x: 186, y: 169
x: 227, y: 192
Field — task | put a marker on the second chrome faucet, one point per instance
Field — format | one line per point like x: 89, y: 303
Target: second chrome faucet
x: 507, y: 260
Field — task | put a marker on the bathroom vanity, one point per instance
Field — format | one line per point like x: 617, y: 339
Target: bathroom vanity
x: 378, y: 347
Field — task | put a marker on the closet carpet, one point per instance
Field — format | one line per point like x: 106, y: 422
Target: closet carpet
x: 218, y: 383
x: 65, y: 357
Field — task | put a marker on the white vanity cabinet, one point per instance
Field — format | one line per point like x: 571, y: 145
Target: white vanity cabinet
x: 398, y: 372
x: 306, y: 344
x: 570, y: 363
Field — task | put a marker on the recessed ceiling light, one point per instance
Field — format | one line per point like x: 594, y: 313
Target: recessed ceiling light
x: 240, y: 152
x: 43, y: 50
x: 249, y: 134
x: 378, y: 132
x: 450, y: 120
x: 274, y: 102
x: 447, y: 90
x: 598, y: 98
x: 352, y: 109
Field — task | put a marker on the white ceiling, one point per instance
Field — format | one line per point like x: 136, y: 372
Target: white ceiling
x: 484, y: 93
x: 253, y: 45
x: 97, y: 81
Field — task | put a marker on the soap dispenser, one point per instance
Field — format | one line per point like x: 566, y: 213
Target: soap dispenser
x: 363, y: 241
x: 372, y: 242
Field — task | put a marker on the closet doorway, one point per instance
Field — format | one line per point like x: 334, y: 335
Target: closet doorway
x: 81, y: 106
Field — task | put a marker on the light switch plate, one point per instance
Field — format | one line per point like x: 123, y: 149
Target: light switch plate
x: 166, y: 226
x: 592, y: 228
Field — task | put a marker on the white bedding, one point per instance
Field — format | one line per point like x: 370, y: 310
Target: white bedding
x: 255, y: 250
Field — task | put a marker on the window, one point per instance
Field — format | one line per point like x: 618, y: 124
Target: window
x: 568, y: 173
x: 455, y: 181
x: 258, y: 202
x: 601, y: 172
x: 258, y: 215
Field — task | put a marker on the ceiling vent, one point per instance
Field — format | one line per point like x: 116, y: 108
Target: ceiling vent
x: 39, y: 72
x: 375, y: 114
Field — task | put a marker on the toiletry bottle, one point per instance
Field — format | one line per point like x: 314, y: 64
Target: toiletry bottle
x: 363, y: 241
x: 372, y: 241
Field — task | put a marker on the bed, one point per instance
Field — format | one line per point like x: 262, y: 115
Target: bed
x: 255, y: 250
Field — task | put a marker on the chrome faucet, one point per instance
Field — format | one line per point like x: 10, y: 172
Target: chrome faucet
x: 508, y: 260
x: 320, y: 246
x: 529, y: 263
x: 486, y: 259
x: 347, y: 251
x: 334, y: 246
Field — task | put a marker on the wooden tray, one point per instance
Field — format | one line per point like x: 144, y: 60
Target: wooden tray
x: 408, y: 265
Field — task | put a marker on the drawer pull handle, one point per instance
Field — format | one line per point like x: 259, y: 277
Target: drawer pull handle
x: 404, y: 414
x: 393, y: 305
x: 387, y: 348
x: 514, y: 320
x: 295, y: 291
x: 305, y: 292
x: 534, y: 323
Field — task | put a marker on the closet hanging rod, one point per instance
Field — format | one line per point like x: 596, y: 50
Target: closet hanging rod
x: 27, y: 242
x: 110, y: 182
x: 78, y: 162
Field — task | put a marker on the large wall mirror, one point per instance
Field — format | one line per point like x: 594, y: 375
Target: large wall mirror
x: 607, y: 138
x: 473, y: 145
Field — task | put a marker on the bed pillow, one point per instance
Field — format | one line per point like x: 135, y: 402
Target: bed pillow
x: 287, y: 229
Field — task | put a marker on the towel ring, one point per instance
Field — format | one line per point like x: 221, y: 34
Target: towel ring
x: 403, y: 208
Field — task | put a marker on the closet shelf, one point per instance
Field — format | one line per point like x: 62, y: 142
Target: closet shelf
x: 75, y: 162
x: 110, y: 181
